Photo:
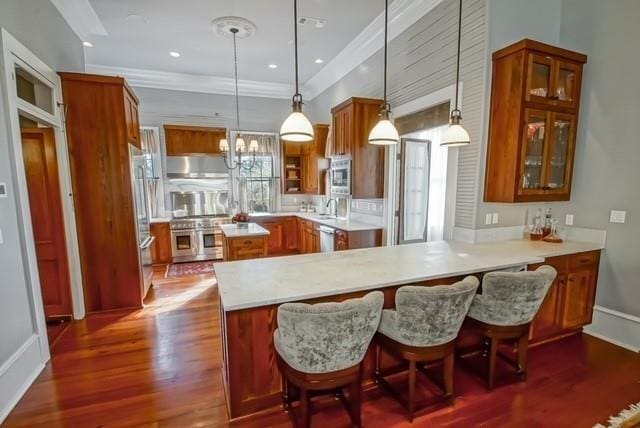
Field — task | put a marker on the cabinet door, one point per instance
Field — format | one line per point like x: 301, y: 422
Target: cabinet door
x: 342, y: 240
x: 131, y: 120
x: 567, y: 81
x: 546, y: 322
x: 276, y: 235
x: 539, y: 79
x: 290, y: 231
x: 577, y: 299
x: 534, y: 148
x: 559, y: 161
x: 315, y: 247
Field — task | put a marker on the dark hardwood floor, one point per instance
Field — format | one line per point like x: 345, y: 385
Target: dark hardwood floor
x: 160, y: 366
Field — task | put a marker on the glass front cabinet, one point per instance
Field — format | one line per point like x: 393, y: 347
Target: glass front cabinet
x: 532, y: 130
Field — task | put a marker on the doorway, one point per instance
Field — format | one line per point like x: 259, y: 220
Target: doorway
x: 45, y: 203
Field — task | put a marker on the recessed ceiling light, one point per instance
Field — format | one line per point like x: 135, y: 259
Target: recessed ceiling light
x: 319, y: 61
x: 273, y: 66
x: 87, y: 44
x: 174, y: 54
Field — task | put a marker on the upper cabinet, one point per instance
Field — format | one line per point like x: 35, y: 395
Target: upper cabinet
x: 131, y: 117
x: 183, y: 140
x: 312, y: 154
x: 535, y: 103
x: 352, y: 122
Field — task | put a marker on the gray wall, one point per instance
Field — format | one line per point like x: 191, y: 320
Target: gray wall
x: 422, y: 61
x: 38, y: 25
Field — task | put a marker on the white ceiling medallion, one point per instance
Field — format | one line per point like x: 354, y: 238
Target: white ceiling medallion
x: 224, y: 24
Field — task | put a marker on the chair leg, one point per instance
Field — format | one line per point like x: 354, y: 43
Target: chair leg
x: 448, y: 377
x: 493, y: 353
x: 285, y: 393
x: 355, y: 395
x: 377, y: 372
x: 412, y: 388
x: 523, y: 345
x: 305, y: 414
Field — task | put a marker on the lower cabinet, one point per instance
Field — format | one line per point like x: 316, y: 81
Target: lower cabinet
x: 161, y: 247
x: 569, y: 303
x: 245, y: 248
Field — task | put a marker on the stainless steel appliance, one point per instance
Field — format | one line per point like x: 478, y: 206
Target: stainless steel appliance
x: 201, y: 203
x: 327, y: 239
x: 196, y: 167
x: 197, y: 238
x: 341, y: 176
x: 139, y: 176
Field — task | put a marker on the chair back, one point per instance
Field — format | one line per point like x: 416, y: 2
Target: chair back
x: 517, y: 296
x: 327, y: 337
x: 430, y: 316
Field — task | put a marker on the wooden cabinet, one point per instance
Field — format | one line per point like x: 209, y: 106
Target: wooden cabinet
x: 569, y: 303
x: 312, y: 153
x: 532, y: 131
x: 183, y: 140
x: 353, y: 240
x: 161, y: 247
x: 341, y: 240
x: 290, y: 229
x: 352, y: 122
x: 283, y: 237
x: 276, y: 235
x: 292, y: 164
x: 101, y: 115
x: 245, y: 248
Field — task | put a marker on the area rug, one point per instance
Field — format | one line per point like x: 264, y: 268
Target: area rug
x: 629, y: 417
x: 189, y: 269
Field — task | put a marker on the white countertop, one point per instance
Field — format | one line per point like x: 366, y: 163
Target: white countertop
x: 233, y: 231
x: 262, y: 282
x: 350, y: 225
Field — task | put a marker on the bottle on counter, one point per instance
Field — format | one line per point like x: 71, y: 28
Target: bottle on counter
x: 536, y: 230
x: 548, y: 222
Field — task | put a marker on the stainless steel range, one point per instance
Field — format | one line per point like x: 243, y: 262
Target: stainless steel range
x: 197, y: 238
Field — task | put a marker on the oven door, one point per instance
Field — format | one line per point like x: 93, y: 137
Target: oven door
x: 210, y: 243
x: 184, y: 245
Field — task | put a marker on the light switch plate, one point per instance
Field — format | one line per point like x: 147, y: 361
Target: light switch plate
x: 618, y: 216
x: 495, y: 218
x: 1, y: 237
x: 568, y: 220
x: 3, y: 190
x: 487, y: 218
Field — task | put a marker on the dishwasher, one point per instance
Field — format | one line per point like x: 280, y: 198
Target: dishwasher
x: 327, y: 238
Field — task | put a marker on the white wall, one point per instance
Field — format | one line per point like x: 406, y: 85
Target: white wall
x: 39, y: 26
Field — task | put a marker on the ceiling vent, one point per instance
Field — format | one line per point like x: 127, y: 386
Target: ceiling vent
x: 224, y: 24
x: 315, y: 22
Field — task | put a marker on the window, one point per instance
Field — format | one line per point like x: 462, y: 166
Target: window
x: 259, y: 179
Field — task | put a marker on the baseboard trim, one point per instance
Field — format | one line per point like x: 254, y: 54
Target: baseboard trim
x: 615, y: 327
x: 18, y: 373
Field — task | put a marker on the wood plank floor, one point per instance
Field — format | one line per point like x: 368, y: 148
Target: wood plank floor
x: 160, y: 366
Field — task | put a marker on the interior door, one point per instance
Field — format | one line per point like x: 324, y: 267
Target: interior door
x: 415, y: 156
x: 41, y: 167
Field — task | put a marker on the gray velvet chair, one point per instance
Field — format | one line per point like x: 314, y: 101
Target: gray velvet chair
x: 320, y: 347
x: 504, y: 311
x: 422, y: 329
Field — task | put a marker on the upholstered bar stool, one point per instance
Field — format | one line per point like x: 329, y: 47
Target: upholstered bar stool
x: 320, y: 349
x: 504, y: 311
x: 422, y: 329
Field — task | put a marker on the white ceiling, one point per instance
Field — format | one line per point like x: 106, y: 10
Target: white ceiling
x: 143, y: 41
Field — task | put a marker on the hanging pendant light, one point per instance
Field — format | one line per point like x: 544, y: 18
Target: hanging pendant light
x: 456, y: 135
x: 384, y: 133
x: 296, y: 127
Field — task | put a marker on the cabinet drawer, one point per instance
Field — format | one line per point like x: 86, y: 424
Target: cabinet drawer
x: 246, y: 253
x: 248, y: 243
x: 584, y: 260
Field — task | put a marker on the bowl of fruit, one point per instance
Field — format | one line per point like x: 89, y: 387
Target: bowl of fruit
x: 241, y: 220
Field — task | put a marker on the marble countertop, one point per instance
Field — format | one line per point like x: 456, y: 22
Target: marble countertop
x: 350, y: 225
x: 262, y: 282
x: 233, y: 231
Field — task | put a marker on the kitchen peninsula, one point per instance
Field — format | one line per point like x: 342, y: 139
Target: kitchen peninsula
x: 250, y: 292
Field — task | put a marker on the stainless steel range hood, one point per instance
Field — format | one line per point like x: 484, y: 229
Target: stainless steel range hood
x: 196, y: 167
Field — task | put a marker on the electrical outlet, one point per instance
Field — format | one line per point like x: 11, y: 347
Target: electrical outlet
x: 1, y: 237
x: 618, y: 216
x: 495, y: 218
x: 488, y: 218
x: 568, y: 219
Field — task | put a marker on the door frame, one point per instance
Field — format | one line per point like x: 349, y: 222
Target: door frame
x: 14, y: 53
x: 402, y: 187
x: 447, y: 94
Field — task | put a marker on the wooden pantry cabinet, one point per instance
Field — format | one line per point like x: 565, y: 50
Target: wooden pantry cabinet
x: 101, y: 122
x: 569, y: 303
x: 181, y: 140
x: 352, y: 121
x: 535, y: 102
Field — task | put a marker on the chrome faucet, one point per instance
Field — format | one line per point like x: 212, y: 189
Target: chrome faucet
x: 329, y: 209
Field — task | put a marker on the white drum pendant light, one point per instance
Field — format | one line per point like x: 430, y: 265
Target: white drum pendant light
x: 296, y: 127
x: 456, y: 135
x: 384, y: 133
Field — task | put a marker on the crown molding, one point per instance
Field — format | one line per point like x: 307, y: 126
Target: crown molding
x: 81, y: 17
x: 402, y: 14
x: 194, y: 82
